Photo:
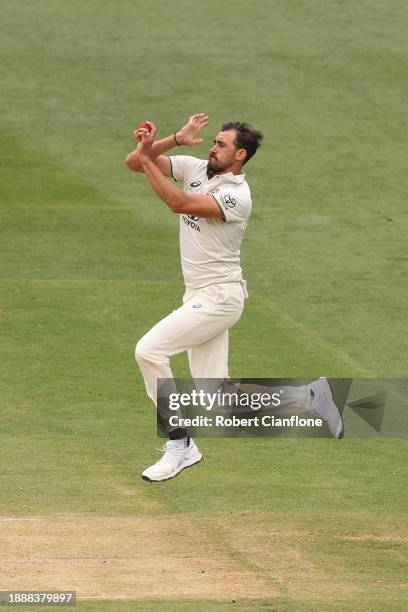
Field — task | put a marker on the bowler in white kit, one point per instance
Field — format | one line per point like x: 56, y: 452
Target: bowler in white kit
x: 214, y: 204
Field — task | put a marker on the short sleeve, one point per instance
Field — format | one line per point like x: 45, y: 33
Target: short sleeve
x: 235, y: 204
x: 184, y: 166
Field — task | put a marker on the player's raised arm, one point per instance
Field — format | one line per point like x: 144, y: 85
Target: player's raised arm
x: 179, y: 202
x: 187, y: 136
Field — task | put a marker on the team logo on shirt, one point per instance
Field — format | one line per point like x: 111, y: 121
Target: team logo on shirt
x: 228, y: 200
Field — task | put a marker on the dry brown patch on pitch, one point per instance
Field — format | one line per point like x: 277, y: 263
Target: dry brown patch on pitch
x: 124, y: 557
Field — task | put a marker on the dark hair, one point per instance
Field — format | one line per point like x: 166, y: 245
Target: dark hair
x: 246, y: 137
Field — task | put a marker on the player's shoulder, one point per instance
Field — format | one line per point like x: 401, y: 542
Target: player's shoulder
x: 235, y: 201
x: 186, y: 166
x: 238, y: 190
x: 244, y: 189
x: 189, y: 160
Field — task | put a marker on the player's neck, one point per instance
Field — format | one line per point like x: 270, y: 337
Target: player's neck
x: 234, y: 169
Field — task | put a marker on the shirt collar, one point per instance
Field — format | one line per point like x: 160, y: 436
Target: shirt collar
x: 229, y: 177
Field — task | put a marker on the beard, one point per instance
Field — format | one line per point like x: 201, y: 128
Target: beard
x: 213, y: 167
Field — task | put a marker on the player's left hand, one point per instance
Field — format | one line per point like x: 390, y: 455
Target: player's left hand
x: 145, y: 138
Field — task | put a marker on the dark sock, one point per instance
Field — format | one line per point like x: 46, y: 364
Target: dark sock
x: 178, y: 434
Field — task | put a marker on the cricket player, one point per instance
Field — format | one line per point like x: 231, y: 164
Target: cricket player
x: 214, y: 205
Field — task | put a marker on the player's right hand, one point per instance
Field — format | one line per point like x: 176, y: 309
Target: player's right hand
x: 143, y: 129
x: 145, y: 138
x: 187, y: 135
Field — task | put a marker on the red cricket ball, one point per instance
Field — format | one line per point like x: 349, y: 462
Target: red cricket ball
x: 145, y: 126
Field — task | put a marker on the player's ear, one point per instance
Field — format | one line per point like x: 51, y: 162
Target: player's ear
x: 241, y: 155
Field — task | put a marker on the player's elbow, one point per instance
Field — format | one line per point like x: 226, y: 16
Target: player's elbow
x: 132, y: 162
x: 178, y: 204
x: 175, y: 207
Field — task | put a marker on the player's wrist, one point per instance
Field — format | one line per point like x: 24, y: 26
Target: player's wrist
x: 144, y: 158
x: 178, y: 138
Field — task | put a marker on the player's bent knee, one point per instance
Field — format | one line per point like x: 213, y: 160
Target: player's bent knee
x: 146, y: 351
x: 140, y: 352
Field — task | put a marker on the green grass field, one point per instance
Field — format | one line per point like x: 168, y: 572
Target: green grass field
x: 89, y: 261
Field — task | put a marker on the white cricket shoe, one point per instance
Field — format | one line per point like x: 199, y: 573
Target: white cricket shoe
x: 177, y: 456
x: 324, y: 407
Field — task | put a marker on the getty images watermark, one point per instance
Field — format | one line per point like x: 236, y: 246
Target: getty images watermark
x: 281, y: 407
x: 255, y: 401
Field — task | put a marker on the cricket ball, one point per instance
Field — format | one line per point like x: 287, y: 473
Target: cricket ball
x: 145, y: 126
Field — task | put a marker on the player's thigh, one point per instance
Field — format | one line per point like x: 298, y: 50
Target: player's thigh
x: 210, y: 359
x: 206, y: 315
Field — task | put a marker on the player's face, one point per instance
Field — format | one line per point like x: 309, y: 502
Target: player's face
x: 224, y: 153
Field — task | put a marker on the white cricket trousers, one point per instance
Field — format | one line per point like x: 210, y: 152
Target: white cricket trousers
x: 200, y: 327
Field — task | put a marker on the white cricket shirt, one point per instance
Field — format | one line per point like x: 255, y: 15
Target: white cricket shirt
x: 210, y: 248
